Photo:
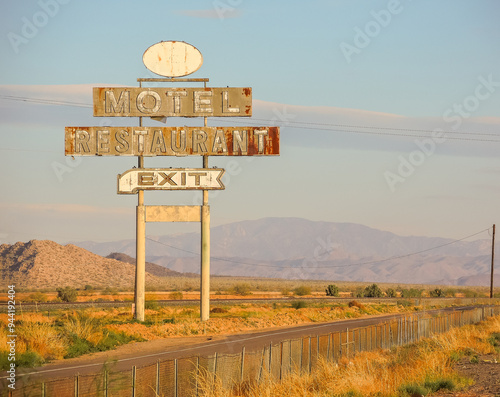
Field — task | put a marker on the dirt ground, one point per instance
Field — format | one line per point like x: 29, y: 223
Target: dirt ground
x: 486, y: 376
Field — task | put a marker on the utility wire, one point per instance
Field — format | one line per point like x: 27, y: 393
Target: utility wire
x: 325, y: 267
x: 285, y: 124
x: 306, y: 125
x: 45, y: 101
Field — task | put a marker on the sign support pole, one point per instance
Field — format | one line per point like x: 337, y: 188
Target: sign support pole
x: 492, y: 261
x: 205, y: 251
x: 140, y: 254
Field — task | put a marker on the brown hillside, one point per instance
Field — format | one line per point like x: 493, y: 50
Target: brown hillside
x: 46, y: 264
x: 152, y: 268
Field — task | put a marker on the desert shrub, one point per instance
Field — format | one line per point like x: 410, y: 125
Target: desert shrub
x: 436, y: 293
x: 357, y: 304
x: 390, y: 292
x: 449, y: 292
x: 110, y: 291
x: 411, y: 293
x: 302, y: 290
x: 177, y: 295
x: 67, y: 294
x: 332, y: 290
x: 285, y: 291
x: 151, y: 305
x: 404, y: 303
x: 359, y: 293
x: 37, y: 297
x: 494, y: 340
x: 88, y: 287
x: 218, y: 310
x: 299, y: 304
x: 241, y: 289
x: 468, y: 293
x: 373, y: 291
x: 413, y: 390
x: 29, y: 359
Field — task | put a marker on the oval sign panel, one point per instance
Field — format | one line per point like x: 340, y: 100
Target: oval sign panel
x: 172, y: 58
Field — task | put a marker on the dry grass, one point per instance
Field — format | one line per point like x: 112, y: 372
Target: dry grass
x: 41, y: 338
x: 84, y: 327
x: 381, y: 373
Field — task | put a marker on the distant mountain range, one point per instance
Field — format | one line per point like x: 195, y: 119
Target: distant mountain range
x: 297, y: 248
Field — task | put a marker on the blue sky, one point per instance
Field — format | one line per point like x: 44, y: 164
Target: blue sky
x: 406, y: 65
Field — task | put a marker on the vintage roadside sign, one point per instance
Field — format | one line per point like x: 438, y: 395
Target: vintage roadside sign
x: 172, y: 141
x: 133, y: 180
x: 172, y: 102
x: 172, y: 58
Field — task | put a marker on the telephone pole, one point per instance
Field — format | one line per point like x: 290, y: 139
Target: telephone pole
x: 492, y: 261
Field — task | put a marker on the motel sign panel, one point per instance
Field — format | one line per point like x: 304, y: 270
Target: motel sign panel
x: 172, y: 102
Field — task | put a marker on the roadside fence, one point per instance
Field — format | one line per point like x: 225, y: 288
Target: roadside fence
x: 180, y: 377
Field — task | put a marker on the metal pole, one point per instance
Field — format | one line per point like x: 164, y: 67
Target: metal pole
x: 205, y: 254
x: 140, y: 269
x: 205, y: 251
x: 140, y: 249
x: 492, y: 261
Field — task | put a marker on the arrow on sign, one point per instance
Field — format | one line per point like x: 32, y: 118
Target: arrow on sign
x: 132, y: 181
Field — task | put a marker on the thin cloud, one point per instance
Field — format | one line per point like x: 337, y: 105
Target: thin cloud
x: 63, y: 208
x: 215, y: 13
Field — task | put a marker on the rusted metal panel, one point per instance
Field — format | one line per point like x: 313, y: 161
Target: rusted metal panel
x: 172, y: 102
x: 172, y: 58
x: 172, y: 141
x: 170, y: 179
x: 173, y: 213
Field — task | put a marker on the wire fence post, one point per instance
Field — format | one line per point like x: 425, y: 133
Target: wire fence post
x: 310, y: 355
x: 77, y: 378
x: 281, y: 360
x: 328, y: 348
x: 157, y: 377
x: 301, y: 354
x: 270, y: 356
x: 242, y: 364
x: 105, y: 383
x: 175, y: 377
x: 133, y: 380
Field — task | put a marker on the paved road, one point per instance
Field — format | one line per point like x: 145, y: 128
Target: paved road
x: 253, y: 341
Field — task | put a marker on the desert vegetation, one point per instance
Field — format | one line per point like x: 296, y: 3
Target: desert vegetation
x: 55, y: 334
x: 254, y: 288
x: 414, y: 370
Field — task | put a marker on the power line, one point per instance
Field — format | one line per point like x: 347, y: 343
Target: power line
x: 308, y: 125
x: 326, y: 267
x: 45, y: 101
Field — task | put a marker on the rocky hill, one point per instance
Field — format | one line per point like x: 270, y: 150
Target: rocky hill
x: 151, y: 268
x: 46, y: 264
